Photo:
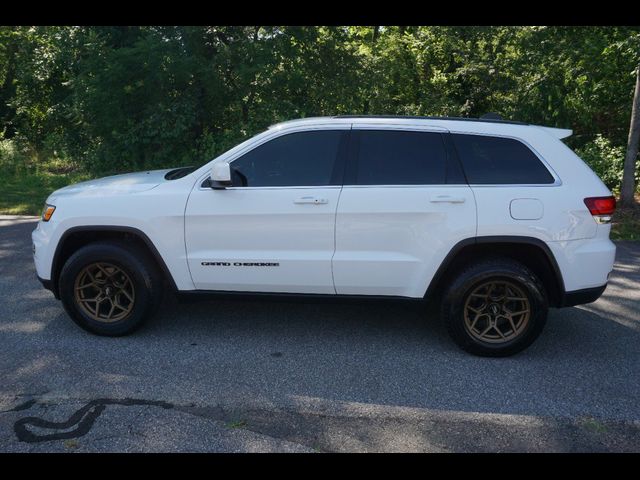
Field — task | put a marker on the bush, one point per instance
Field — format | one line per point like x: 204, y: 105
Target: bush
x: 15, y: 158
x: 18, y: 158
x: 606, y: 159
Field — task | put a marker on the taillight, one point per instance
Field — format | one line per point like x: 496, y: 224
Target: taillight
x: 601, y: 208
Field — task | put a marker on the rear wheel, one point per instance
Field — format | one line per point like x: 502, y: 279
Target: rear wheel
x: 496, y: 307
x: 110, y: 288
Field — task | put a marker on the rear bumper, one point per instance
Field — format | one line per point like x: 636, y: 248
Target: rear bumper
x: 584, y: 264
x: 579, y: 297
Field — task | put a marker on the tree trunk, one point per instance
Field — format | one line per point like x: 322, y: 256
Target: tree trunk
x: 628, y: 176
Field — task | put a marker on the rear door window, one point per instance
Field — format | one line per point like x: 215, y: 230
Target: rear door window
x: 390, y: 157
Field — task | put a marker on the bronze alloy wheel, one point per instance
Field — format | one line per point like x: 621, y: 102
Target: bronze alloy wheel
x: 104, y: 292
x: 496, y: 311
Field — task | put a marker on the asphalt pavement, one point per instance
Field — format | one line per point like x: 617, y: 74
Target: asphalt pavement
x: 260, y: 376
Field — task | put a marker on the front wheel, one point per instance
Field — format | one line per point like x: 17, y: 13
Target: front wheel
x: 110, y: 288
x: 496, y: 307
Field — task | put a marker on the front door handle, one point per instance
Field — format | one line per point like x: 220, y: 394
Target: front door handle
x: 447, y: 199
x: 312, y: 200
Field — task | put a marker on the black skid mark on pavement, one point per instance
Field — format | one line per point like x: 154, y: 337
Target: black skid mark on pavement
x: 83, y: 419
x: 23, y: 406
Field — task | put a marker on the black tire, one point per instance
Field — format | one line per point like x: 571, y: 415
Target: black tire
x: 142, y: 272
x: 472, y: 279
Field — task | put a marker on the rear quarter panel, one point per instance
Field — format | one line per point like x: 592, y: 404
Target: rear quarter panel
x: 580, y: 246
x: 564, y: 214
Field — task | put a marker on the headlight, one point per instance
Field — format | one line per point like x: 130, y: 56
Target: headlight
x: 47, y: 212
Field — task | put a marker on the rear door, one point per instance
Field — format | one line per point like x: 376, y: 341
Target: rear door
x: 403, y: 206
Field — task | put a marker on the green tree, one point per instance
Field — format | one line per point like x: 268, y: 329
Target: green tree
x: 113, y: 99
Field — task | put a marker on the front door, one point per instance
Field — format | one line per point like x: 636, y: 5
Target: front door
x: 273, y: 230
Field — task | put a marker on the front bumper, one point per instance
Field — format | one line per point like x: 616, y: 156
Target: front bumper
x: 40, y: 239
x: 40, y: 243
x: 48, y: 284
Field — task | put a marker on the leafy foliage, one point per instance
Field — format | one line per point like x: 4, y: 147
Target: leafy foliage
x: 110, y: 99
x: 604, y: 159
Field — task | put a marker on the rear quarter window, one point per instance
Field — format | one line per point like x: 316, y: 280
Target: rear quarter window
x: 495, y: 161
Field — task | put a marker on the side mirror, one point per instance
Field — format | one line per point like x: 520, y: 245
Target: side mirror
x: 220, y: 176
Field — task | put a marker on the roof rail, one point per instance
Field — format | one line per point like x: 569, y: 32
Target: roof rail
x: 296, y: 120
x: 489, y: 118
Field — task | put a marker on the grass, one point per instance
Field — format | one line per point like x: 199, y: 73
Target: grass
x: 71, y: 444
x: 25, y: 194
x: 593, y: 424
x: 626, y: 223
x: 237, y: 424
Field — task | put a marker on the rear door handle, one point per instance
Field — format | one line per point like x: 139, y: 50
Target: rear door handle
x: 312, y: 200
x: 447, y: 199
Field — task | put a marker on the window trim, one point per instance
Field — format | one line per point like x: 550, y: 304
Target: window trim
x: 278, y: 132
x: 557, y: 181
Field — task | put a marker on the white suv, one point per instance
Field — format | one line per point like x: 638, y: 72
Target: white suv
x: 499, y: 220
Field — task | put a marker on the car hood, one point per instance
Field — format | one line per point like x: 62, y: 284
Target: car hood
x: 116, y: 184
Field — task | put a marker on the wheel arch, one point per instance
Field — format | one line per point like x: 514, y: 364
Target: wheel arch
x: 530, y: 251
x: 77, y: 237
